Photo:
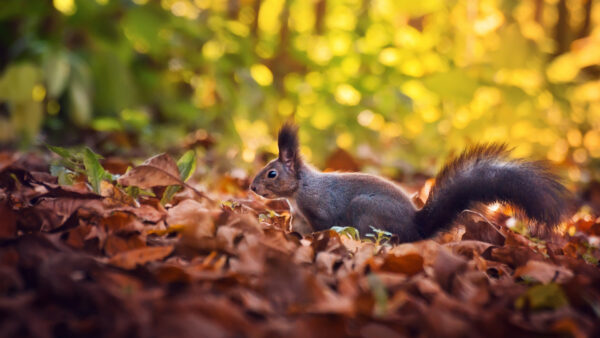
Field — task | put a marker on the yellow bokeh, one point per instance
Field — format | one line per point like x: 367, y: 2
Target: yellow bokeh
x: 52, y: 107
x: 340, y: 43
x: 351, y: 65
x: 574, y: 137
x: 268, y: 17
x: 344, y: 140
x: 341, y: 17
x: 319, y: 51
x: 389, y: 56
x: 413, y: 124
x: 213, y: 49
x: 261, y: 74
x: 563, y: 69
x: 391, y: 130
x: 591, y: 142
x: 322, y: 118
x: 66, y: 7
x: 580, y: 155
x: 347, y: 95
x: 365, y: 117
x: 558, y: 152
x: 38, y: 93
x: 430, y: 114
x: 587, y: 92
x: 285, y: 107
x: 428, y: 76
x: 461, y: 118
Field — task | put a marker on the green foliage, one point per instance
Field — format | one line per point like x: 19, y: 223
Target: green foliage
x: 93, y: 169
x: 82, y: 161
x: 379, y: 294
x: 542, y: 296
x: 64, y: 175
x: 379, y: 236
x: 348, y: 231
x: 416, y: 79
x: 186, y: 165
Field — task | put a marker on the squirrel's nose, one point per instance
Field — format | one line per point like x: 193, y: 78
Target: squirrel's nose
x: 253, y: 187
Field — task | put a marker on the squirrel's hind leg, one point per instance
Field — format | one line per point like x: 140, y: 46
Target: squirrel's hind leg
x: 382, y: 212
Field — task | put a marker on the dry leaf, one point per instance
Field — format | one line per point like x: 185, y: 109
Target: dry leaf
x: 131, y: 258
x: 544, y: 272
x: 158, y: 171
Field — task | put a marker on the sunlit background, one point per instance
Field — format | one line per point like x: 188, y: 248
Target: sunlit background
x: 399, y: 85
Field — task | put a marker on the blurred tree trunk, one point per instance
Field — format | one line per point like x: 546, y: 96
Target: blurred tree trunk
x: 281, y: 62
x: 233, y: 9
x: 562, y: 29
x: 539, y: 12
x: 320, y: 11
x: 587, y: 20
x: 254, y: 28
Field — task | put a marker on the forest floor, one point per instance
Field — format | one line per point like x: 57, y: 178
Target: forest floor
x: 89, y: 257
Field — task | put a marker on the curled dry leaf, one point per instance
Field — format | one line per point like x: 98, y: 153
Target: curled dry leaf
x: 196, y: 219
x: 544, y: 272
x: 409, y: 264
x: 158, y: 171
x: 131, y: 258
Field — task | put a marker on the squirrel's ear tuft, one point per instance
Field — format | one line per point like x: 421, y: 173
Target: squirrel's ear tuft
x: 288, y: 146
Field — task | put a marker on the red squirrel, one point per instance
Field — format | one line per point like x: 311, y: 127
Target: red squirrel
x: 481, y: 174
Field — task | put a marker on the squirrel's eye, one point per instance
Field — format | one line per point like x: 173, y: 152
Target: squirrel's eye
x: 272, y: 174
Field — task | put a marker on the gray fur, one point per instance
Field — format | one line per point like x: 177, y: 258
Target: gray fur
x: 354, y: 199
x: 482, y: 174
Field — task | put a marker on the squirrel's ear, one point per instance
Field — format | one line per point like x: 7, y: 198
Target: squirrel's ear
x: 288, y: 146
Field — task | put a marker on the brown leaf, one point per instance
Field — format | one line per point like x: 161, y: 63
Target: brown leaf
x: 114, y: 196
x: 197, y: 219
x: 115, y: 244
x: 341, y: 160
x: 468, y: 249
x: 172, y: 274
x: 120, y: 221
x: 479, y: 229
x: 8, y: 223
x: 409, y: 264
x: 116, y: 165
x: 130, y: 259
x: 446, y: 266
x: 511, y: 255
x: 544, y: 272
x: 158, y: 171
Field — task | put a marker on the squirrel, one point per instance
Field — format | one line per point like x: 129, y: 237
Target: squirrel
x: 481, y: 174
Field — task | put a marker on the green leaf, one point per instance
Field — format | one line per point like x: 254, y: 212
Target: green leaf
x: 64, y: 175
x: 380, y: 232
x: 348, y: 231
x: 57, y: 70
x: 17, y: 82
x: 71, y: 158
x: 27, y: 118
x: 62, y: 152
x: 94, y: 171
x: 543, y: 296
x: 589, y: 258
x: 80, y: 104
x: 379, y: 294
x: 186, y: 166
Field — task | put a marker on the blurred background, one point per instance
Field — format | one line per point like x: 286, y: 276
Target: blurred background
x: 390, y: 86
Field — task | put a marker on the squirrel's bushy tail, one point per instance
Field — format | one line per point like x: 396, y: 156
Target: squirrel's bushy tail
x: 485, y: 174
